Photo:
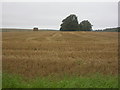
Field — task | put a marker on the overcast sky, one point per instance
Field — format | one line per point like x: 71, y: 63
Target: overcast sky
x: 49, y: 15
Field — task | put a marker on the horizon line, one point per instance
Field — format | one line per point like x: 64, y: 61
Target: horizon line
x: 50, y: 28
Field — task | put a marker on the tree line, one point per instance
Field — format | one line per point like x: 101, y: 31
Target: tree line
x: 70, y: 23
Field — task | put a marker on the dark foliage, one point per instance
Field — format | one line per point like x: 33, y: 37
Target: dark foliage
x: 35, y: 29
x: 117, y: 29
x: 70, y: 23
x: 85, y: 26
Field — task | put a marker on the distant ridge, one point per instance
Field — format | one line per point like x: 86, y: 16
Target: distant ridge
x: 49, y: 29
x: 17, y: 29
x: 13, y: 29
x: 117, y: 29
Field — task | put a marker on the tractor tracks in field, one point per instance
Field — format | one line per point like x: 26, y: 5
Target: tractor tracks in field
x: 53, y: 36
x: 31, y: 39
x: 48, y: 36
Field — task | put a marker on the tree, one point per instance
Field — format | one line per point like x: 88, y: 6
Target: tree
x: 35, y: 29
x: 70, y: 23
x: 85, y: 26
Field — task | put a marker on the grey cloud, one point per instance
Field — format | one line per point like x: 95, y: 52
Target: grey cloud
x: 50, y: 14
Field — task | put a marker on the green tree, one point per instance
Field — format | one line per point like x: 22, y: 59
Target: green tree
x: 85, y: 26
x: 70, y: 23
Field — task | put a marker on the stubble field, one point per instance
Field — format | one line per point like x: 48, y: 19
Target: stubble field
x: 44, y: 53
x: 53, y: 52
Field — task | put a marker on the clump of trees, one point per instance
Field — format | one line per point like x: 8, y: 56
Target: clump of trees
x: 35, y: 29
x: 85, y: 26
x: 70, y: 23
x: 117, y: 29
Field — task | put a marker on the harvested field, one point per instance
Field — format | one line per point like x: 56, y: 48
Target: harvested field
x: 46, y: 53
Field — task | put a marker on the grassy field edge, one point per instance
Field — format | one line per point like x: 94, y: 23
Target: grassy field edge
x: 94, y: 81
